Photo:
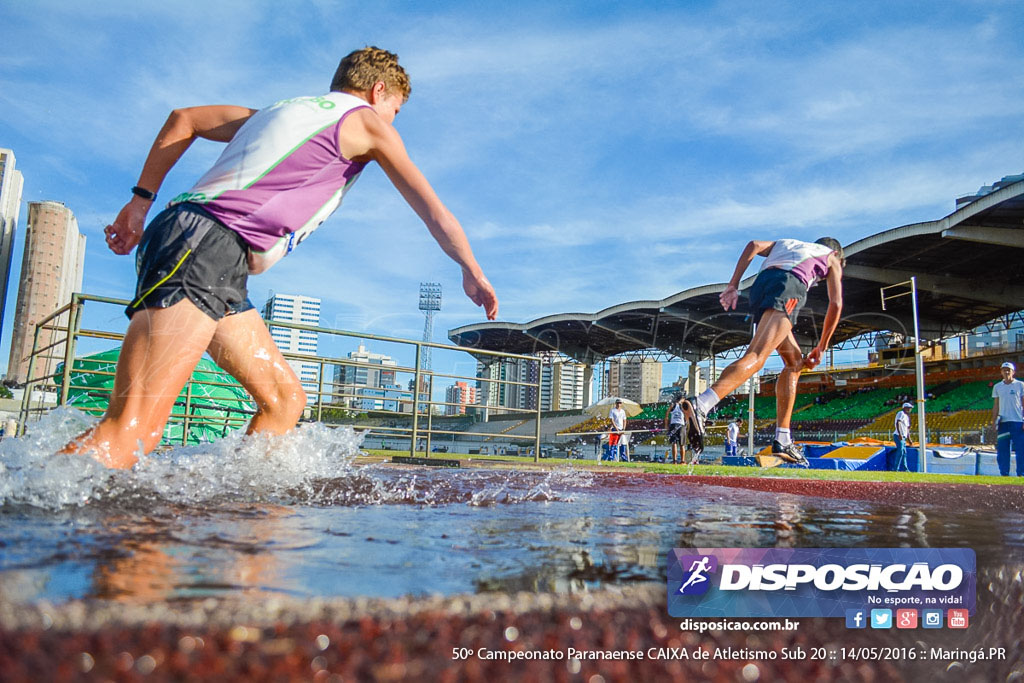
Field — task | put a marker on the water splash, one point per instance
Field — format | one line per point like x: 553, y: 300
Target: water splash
x: 554, y: 486
x: 30, y: 473
x: 314, y: 465
x: 235, y: 468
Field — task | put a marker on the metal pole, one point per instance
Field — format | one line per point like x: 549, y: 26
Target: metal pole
x: 69, y: 350
x: 750, y: 406
x: 415, y: 404
x: 187, y: 422
x: 919, y: 372
x: 750, y: 415
x: 26, y: 398
x: 430, y: 410
x: 536, y: 434
x: 320, y: 395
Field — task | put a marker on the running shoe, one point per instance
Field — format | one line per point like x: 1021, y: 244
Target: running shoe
x: 695, y: 428
x: 791, y: 453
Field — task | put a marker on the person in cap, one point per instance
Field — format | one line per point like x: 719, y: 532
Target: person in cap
x: 732, y: 437
x: 790, y: 269
x: 901, y: 435
x: 1008, y: 419
x: 618, y: 418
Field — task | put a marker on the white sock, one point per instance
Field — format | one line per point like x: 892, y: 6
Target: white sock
x: 708, y: 400
x: 782, y: 436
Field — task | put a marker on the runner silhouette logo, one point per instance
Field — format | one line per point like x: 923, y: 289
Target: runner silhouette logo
x: 696, y: 580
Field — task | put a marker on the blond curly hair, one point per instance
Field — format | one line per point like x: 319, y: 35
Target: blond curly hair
x: 361, y: 69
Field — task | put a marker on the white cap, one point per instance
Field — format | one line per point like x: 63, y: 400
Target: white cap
x: 1010, y: 365
x: 907, y: 405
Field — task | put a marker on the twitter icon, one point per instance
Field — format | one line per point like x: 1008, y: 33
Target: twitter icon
x: 881, y: 618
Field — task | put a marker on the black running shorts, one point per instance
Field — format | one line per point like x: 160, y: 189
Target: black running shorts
x: 675, y: 434
x: 779, y: 290
x: 186, y: 253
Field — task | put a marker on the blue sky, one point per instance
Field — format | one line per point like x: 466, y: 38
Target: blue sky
x: 594, y: 152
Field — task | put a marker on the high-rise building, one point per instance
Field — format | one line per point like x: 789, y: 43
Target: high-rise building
x: 303, y: 310
x: 561, y: 384
x: 11, y: 183
x: 51, y: 270
x: 370, y: 385
x: 638, y: 379
x: 460, y: 394
x: 506, y: 384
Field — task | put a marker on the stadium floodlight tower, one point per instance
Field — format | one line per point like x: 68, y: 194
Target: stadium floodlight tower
x: 430, y: 302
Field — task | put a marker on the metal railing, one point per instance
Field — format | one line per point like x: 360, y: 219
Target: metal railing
x: 396, y: 414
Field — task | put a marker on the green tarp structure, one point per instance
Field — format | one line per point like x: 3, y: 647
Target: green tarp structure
x: 213, y: 401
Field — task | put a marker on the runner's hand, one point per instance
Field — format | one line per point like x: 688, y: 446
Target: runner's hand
x: 480, y: 292
x: 813, y: 358
x: 729, y: 298
x: 126, y: 230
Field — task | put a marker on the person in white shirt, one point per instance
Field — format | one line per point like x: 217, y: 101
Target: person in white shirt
x: 1008, y: 419
x: 732, y: 435
x: 901, y: 435
x: 618, y: 418
x: 674, y: 429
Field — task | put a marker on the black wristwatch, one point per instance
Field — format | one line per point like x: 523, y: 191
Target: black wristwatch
x: 144, y: 193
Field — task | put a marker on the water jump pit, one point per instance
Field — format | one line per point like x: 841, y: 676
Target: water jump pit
x: 253, y: 560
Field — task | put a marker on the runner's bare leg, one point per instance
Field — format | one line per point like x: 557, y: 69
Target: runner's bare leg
x: 785, y: 386
x: 159, y: 353
x: 242, y: 345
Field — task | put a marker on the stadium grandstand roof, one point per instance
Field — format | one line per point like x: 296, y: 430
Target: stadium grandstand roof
x: 969, y: 269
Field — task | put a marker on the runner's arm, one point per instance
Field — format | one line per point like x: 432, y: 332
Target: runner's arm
x: 216, y: 122
x: 730, y: 296
x: 834, y: 281
x: 389, y: 151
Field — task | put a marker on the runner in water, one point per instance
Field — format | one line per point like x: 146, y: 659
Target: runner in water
x: 283, y: 172
x: 790, y: 269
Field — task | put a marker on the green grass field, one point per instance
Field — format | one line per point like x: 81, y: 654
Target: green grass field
x: 721, y: 470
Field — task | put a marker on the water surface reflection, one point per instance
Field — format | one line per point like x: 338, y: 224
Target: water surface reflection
x: 386, y: 532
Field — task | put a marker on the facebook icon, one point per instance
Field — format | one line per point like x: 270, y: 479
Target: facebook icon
x: 856, y: 618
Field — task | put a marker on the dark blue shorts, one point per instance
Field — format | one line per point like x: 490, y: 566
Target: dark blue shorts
x: 187, y: 253
x: 778, y: 290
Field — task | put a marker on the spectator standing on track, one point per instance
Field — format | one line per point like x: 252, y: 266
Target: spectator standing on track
x: 901, y: 435
x: 1008, y: 419
x: 674, y: 429
x: 732, y: 435
x: 618, y: 418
